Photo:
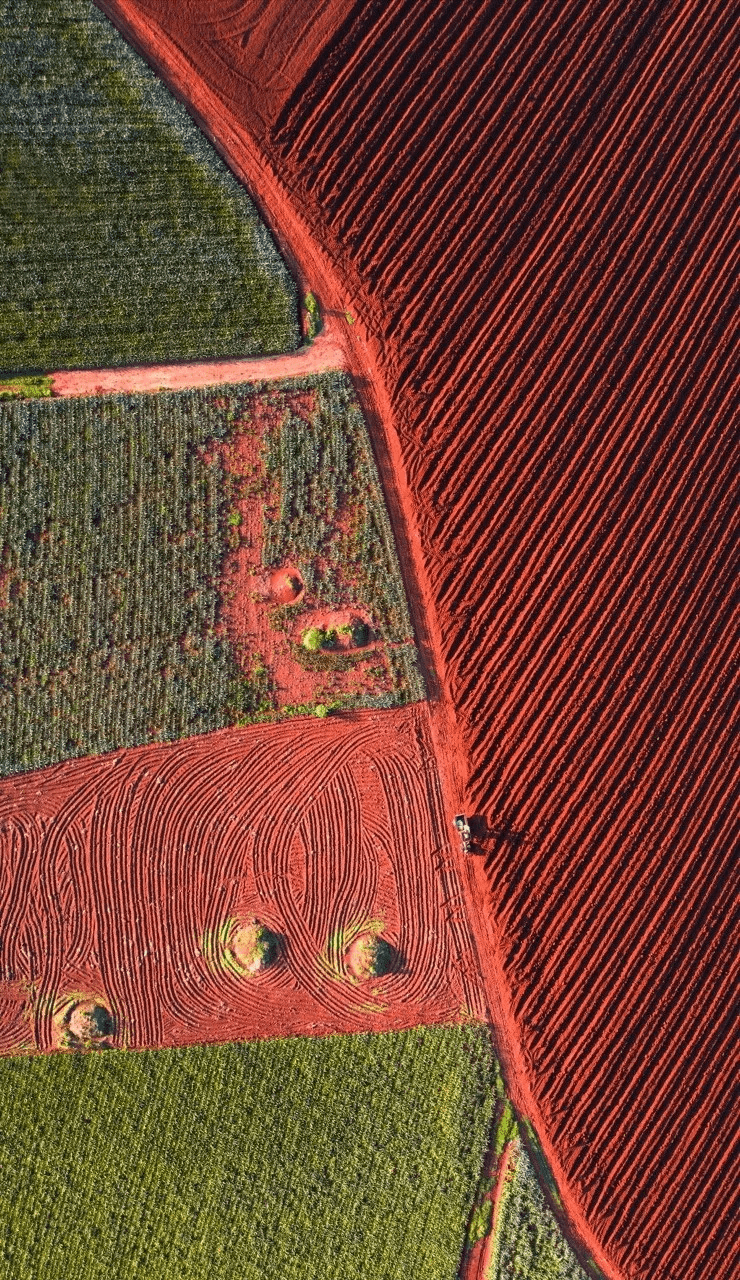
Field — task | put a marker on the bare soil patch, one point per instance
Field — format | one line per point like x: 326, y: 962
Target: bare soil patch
x: 253, y: 845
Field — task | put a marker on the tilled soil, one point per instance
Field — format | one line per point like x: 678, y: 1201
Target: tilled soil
x: 531, y: 214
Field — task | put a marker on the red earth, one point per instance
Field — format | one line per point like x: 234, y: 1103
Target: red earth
x: 531, y: 214
x: 124, y: 880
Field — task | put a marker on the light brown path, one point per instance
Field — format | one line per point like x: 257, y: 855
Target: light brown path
x: 324, y: 353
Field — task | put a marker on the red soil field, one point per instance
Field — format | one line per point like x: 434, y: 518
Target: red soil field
x: 119, y: 875
x: 531, y: 212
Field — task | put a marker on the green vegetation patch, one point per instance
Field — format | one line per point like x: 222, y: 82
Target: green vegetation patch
x: 124, y: 237
x: 25, y: 388
x: 348, y: 1157
x: 115, y: 520
x: 530, y: 1244
x: 111, y: 543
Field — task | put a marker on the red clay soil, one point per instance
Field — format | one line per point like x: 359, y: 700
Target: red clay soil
x: 531, y: 212
x: 325, y: 352
x: 125, y: 877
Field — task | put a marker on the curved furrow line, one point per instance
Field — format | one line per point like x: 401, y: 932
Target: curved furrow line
x: 107, y: 829
x: 417, y: 887
x: 23, y: 839
x: 154, y: 847
x: 355, y: 888
x: 188, y: 842
x: 50, y: 934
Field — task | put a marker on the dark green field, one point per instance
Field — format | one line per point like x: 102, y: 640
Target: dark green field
x: 530, y: 1244
x: 115, y: 517
x: 349, y: 1158
x: 124, y: 237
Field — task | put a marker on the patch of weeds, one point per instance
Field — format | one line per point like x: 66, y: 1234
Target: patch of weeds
x: 25, y: 388
x: 313, y: 317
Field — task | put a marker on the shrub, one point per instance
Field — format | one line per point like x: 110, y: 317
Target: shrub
x: 313, y: 639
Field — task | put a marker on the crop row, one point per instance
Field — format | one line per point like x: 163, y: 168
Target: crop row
x: 125, y: 237
x: 110, y: 552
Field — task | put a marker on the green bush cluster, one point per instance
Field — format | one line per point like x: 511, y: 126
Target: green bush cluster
x: 349, y: 1156
x: 125, y: 238
x: 530, y: 1244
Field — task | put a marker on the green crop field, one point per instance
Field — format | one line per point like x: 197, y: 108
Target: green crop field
x: 530, y: 1244
x: 124, y: 237
x: 114, y: 523
x: 348, y: 1157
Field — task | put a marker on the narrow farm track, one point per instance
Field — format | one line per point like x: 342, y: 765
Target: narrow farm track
x: 324, y: 353
x: 532, y: 213
x: 117, y: 870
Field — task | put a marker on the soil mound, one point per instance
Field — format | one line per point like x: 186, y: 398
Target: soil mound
x: 90, y: 1022
x: 369, y: 956
x: 285, y: 586
x: 254, y: 947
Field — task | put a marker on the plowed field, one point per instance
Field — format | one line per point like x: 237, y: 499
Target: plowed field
x: 533, y: 211
x: 123, y: 876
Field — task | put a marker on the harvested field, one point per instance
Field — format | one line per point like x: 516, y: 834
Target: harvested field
x: 126, y: 880
x: 259, y: 1156
x: 532, y: 212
